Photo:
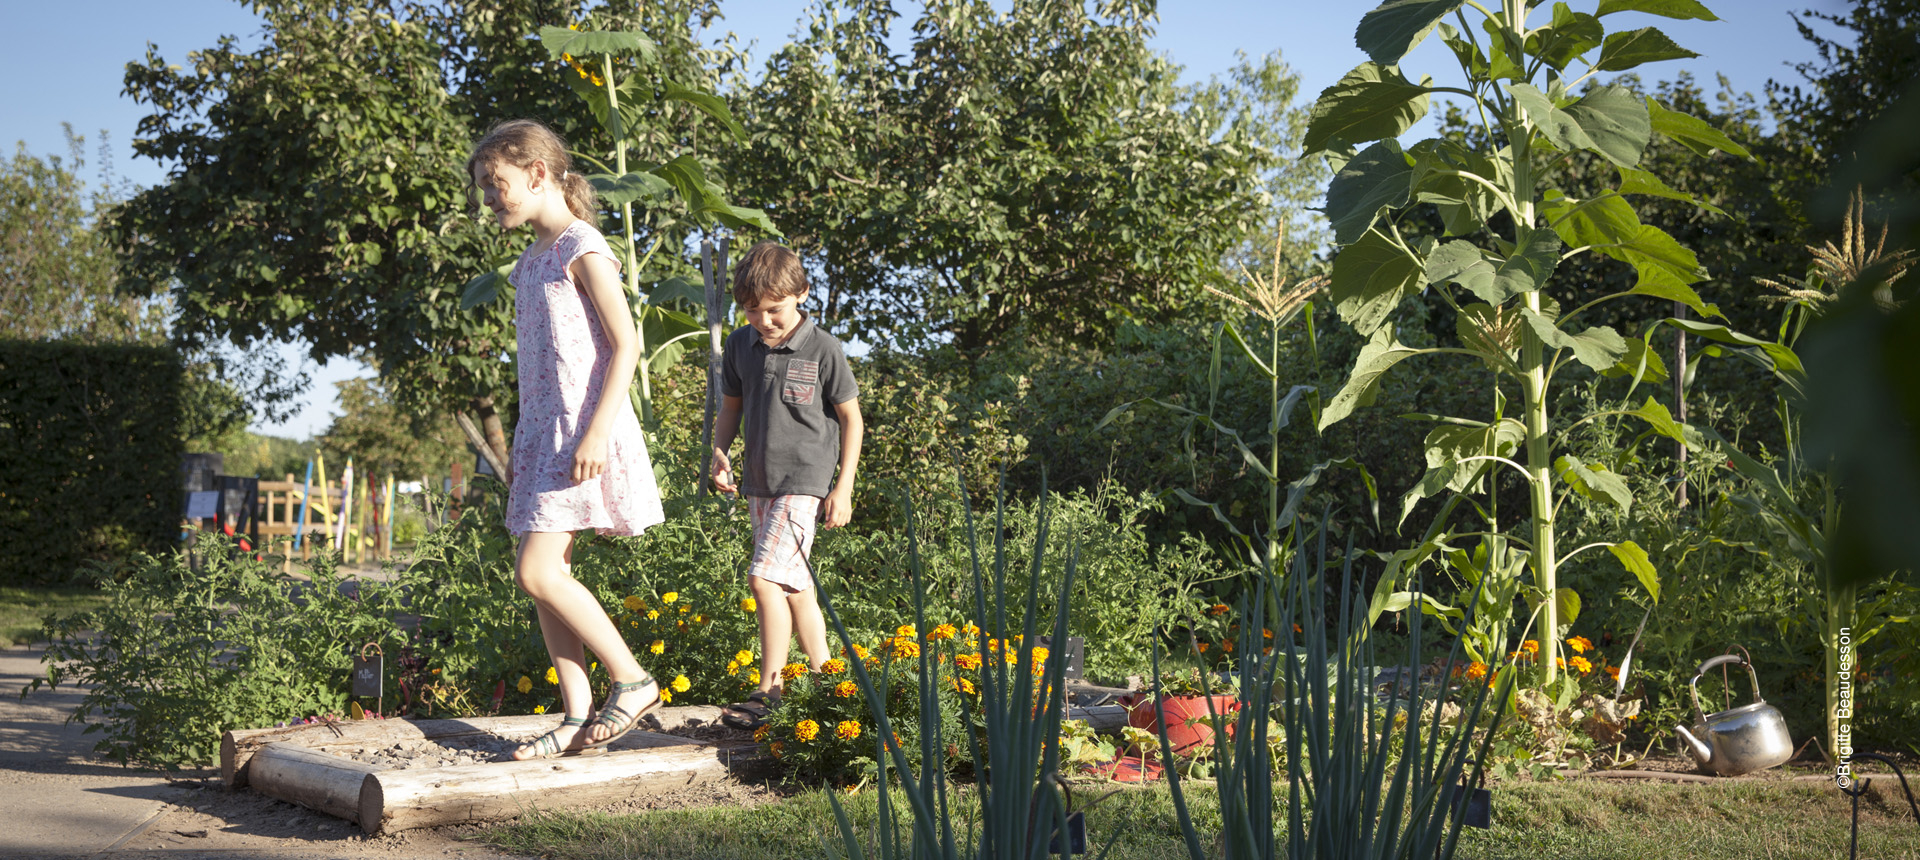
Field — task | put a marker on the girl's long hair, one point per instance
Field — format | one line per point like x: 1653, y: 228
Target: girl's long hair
x: 521, y: 142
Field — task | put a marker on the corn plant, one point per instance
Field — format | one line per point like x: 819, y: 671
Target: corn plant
x: 625, y: 84
x: 1016, y: 748
x: 1358, y: 786
x: 1524, y: 85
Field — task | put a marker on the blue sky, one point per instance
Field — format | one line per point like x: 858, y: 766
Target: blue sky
x: 61, y: 77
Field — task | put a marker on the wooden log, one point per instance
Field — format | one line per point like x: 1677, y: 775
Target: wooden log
x: 396, y: 800
x: 238, y: 746
x: 310, y: 778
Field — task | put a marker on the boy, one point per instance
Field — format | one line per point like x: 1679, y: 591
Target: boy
x: 791, y: 382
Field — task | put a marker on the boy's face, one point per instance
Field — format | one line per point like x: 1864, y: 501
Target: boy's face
x: 776, y: 319
x: 506, y: 190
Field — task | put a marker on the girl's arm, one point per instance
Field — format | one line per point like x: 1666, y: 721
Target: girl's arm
x: 596, y: 274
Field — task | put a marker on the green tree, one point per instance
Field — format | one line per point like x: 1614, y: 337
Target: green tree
x: 384, y: 438
x: 57, y: 272
x: 319, y: 187
x: 1038, y: 167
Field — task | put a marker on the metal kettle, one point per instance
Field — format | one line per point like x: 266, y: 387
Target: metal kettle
x: 1737, y: 740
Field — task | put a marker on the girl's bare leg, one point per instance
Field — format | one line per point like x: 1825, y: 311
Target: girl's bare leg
x: 570, y: 618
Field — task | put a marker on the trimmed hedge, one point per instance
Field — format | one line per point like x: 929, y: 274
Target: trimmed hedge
x: 89, y: 455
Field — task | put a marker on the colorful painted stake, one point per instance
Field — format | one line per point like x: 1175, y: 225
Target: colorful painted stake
x: 326, y: 501
x: 306, y: 491
x: 386, y: 521
x: 346, y: 508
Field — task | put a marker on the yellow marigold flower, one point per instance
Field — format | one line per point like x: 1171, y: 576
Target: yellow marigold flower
x: 754, y: 678
x: 967, y: 661
x: 653, y: 614
x: 681, y: 684
x: 659, y: 646
x: 633, y: 603
x: 670, y: 597
x: 847, y: 730
x: 1040, y: 654
x: 743, y: 657
x: 733, y: 667
x: 666, y: 696
x: 679, y: 625
x: 760, y: 734
x: 904, y: 647
x: 539, y: 709
x: 846, y: 689
x: 1218, y: 609
x: 699, y: 619
x: 943, y: 631
x: 807, y: 730
x: 970, y: 630
x: 1012, y: 656
x: 993, y: 645
x: 1530, y: 646
x: 1265, y: 633
x: 833, y: 667
x: 553, y: 677
x: 748, y: 604
x: 965, y: 686
x: 1582, y: 664
x: 905, y: 630
x: 792, y: 671
x: 1580, y: 644
x: 524, y: 685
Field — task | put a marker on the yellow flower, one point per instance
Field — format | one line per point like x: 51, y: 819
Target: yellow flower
x: 846, y: 689
x: 634, y: 603
x: 807, y: 730
x: 904, y: 647
x: 967, y: 661
x: 1530, y: 646
x: 539, y: 709
x: 1012, y: 656
x: 859, y: 651
x: 1582, y: 664
x: 653, y: 614
x: 681, y: 684
x: 847, y: 730
x: 670, y: 597
x: 743, y: 657
x: 833, y: 667
x: 1580, y: 644
x: 1040, y: 654
x: 1476, y: 671
x: 553, y: 677
x: 905, y: 630
x: 733, y: 667
x: 970, y: 630
x: 754, y: 678
x: 964, y: 686
x: 679, y: 625
x: 659, y: 646
x: 944, y: 631
x: 748, y: 604
x: 666, y: 696
x: 683, y: 609
x: 792, y: 671
x: 760, y: 734
x: 525, y: 684
x: 699, y: 619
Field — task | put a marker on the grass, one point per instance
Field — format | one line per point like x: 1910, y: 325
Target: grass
x: 22, y: 609
x: 1589, y: 819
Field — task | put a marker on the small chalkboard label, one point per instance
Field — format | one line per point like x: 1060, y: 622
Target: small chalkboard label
x: 367, y: 676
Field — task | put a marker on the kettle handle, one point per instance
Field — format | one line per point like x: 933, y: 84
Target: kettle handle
x: 1714, y: 663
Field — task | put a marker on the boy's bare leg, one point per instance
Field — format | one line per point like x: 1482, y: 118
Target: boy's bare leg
x: 776, y: 631
x: 809, y: 626
x: 568, y: 609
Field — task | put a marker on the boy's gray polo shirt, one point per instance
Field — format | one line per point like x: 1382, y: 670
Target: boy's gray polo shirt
x: 787, y: 397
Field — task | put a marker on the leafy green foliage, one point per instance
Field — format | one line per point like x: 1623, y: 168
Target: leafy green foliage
x: 92, y: 467
x: 383, y: 439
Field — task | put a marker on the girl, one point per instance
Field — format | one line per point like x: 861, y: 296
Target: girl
x: 579, y: 460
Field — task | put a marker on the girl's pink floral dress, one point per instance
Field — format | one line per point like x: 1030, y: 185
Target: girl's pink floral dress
x: 563, y: 363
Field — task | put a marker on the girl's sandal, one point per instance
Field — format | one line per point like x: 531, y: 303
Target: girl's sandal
x: 618, y: 718
x: 548, y: 745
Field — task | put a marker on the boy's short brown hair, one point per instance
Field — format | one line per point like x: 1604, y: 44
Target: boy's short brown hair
x: 768, y: 272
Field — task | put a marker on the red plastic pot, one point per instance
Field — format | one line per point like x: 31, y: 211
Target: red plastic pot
x: 1175, y: 712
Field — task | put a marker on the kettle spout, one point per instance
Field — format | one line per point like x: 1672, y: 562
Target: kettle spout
x: 1700, y: 751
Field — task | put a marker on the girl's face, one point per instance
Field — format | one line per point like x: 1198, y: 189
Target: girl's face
x: 508, y: 191
x: 776, y: 319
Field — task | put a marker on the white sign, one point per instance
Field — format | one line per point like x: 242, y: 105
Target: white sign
x: 203, y: 505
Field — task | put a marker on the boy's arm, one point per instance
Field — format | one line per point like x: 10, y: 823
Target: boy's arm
x: 725, y: 427
x: 839, y: 505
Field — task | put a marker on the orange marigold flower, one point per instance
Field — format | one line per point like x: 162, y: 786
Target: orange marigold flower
x: 969, y: 630
x: 1040, y: 654
x: 807, y: 730
x: 904, y: 647
x: 1227, y: 646
x: 792, y: 671
x: 846, y: 689
x: 1218, y: 609
x: 847, y: 730
x: 859, y: 651
x: 905, y: 630
x: 1580, y: 644
x: 1203, y: 647
x: 776, y: 747
x: 967, y: 661
x: 943, y: 631
x: 833, y: 667
x: 1265, y: 633
x: 1582, y: 664
x: 1613, y: 672
x: 760, y: 734
x: 964, y: 686
x: 1296, y: 629
x: 1476, y: 671
x: 1530, y: 646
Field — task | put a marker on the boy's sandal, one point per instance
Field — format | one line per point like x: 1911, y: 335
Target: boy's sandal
x: 750, y: 714
x: 619, y: 718
x: 548, y: 745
